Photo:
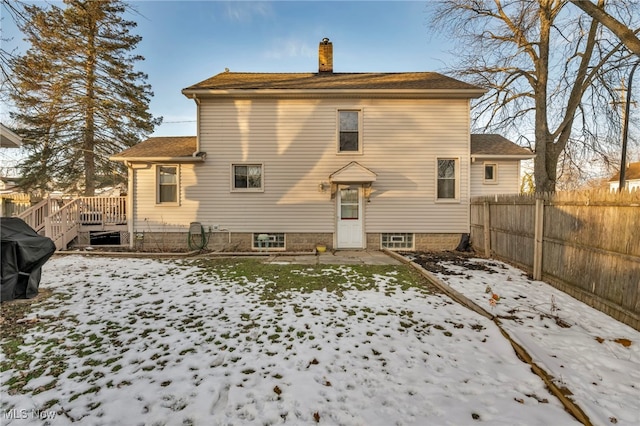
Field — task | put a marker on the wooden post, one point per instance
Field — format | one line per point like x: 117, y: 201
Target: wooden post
x: 538, y: 235
x: 487, y: 229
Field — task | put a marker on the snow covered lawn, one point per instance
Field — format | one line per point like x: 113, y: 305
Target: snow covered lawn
x: 182, y: 342
x: 594, y: 356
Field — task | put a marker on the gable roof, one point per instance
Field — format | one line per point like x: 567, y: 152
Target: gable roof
x: 8, y: 139
x: 162, y: 148
x: 352, y: 173
x: 631, y: 173
x: 426, y: 84
x: 497, y: 146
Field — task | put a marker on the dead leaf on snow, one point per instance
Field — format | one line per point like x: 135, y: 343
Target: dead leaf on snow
x: 624, y: 342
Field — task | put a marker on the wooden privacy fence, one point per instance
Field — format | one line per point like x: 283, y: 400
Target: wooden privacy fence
x: 586, y: 244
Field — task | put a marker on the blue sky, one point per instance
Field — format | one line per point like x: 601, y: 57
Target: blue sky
x: 184, y: 42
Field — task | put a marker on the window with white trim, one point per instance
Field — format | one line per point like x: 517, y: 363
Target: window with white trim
x: 268, y: 241
x: 447, y: 177
x: 167, y: 184
x: 349, y: 134
x: 398, y: 241
x: 490, y: 173
x: 247, y: 177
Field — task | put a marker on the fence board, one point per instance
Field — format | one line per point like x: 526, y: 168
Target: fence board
x: 590, y: 243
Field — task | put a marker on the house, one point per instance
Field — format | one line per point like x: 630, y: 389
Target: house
x: 8, y: 139
x: 286, y: 161
x: 631, y: 178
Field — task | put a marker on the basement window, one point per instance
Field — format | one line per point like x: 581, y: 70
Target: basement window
x: 402, y: 241
x: 268, y: 241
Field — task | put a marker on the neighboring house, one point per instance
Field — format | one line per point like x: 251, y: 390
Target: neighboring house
x: 8, y: 139
x: 631, y: 178
x: 495, y: 165
x: 12, y: 200
x: 349, y: 160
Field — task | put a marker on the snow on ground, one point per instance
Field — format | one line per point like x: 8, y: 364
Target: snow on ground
x: 148, y: 342
x: 596, y: 357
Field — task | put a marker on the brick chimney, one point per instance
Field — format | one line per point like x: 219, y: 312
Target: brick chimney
x: 325, y: 56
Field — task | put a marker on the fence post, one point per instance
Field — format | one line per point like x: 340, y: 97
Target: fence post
x: 487, y: 229
x: 538, y: 234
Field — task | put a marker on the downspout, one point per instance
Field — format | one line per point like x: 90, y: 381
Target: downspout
x: 131, y: 206
x: 197, y: 101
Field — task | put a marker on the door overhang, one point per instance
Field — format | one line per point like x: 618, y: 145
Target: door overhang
x: 352, y: 173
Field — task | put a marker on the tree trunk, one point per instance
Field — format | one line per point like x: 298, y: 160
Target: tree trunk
x: 89, y: 135
x: 544, y: 170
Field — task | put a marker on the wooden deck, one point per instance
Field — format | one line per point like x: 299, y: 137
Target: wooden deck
x: 63, y: 220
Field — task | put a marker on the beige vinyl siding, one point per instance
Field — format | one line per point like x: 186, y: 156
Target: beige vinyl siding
x: 508, y: 178
x: 152, y: 217
x: 295, y: 141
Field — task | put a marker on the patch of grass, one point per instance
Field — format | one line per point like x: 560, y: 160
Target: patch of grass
x: 276, y: 280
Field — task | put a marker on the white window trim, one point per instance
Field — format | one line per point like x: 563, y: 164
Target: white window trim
x: 157, y: 185
x: 493, y: 181
x: 455, y: 200
x: 232, y: 187
x: 360, y: 121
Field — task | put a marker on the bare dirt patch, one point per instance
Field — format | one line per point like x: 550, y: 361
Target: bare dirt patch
x: 432, y: 262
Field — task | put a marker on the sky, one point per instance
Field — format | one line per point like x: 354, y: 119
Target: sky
x: 188, y: 342
x: 185, y: 42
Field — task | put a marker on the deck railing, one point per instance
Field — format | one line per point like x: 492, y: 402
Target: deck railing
x: 62, y: 226
x: 35, y: 215
x: 102, y: 210
x: 61, y: 222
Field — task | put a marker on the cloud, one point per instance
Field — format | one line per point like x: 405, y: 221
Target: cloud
x: 242, y: 11
x: 289, y: 48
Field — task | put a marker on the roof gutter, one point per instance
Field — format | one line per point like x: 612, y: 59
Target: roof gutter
x: 195, y: 158
x: 336, y: 93
x: 502, y: 157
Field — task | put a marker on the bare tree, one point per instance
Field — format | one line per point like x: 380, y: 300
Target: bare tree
x: 550, y: 71
x: 624, y: 33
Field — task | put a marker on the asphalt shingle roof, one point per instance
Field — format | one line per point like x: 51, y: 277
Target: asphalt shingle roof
x: 185, y: 146
x: 352, y: 81
x: 161, y: 146
x: 492, y: 144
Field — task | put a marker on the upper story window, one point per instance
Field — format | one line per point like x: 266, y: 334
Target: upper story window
x: 447, y: 179
x: 349, y: 134
x: 490, y: 173
x: 247, y: 177
x: 167, y: 184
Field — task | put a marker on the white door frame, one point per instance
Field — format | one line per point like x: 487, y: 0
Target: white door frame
x: 349, y: 232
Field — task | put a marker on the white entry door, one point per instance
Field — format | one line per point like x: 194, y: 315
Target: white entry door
x: 349, y: 226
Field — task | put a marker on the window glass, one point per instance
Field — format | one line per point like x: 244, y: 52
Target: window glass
x: 489, y: 172
x: 349, y: 131
x: 349, y: 203
x: 167, y: 184
x: 397, y: 241
x: 447, y: 178
x: 247, y: 176
x: 267, y: 241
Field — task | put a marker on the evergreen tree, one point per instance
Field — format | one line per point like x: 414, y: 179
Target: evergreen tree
x: 78, y: 97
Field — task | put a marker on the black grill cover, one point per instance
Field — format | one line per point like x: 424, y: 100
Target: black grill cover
x: 23, y: 253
